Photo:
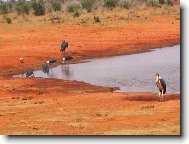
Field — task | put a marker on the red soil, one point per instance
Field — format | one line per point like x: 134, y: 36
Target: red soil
x: 40, y: 106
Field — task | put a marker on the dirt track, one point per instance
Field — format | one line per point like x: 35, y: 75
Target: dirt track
x: 39, y: 106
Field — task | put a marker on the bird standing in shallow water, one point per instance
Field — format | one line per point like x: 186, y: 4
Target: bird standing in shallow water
x: 45, y: 66
x: 29, y: 73
x: 161, y: 86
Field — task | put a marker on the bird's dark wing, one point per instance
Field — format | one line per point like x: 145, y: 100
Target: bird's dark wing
x: 52, y: 61
x: 163, y: 85
x: 64, y: 46
x: 68, y: 57
x: 29, y: 73
x: 45, y: 68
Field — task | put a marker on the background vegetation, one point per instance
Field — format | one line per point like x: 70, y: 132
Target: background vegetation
x: 74, y: 7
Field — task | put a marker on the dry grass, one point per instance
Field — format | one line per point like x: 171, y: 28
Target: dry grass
x: 107, y: 17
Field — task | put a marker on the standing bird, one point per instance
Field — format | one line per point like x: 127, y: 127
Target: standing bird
x: 63, y: 47
x: 46, y: 66
x: 161, y: 86
x: 51, y: 61
x: 29, y: 73
x: 66, y: 58
x: 21, y: 60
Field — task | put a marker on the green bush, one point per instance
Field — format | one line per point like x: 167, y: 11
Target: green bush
x: 23, y: 8
x: 10, y: 6
x: 73, y: 8
x: 3, y: 9
x: 39, y: 8
x: 56, y: 5
x: 169, y: 2
x: 161, y: 1
x: 87, y: 4
x: 110, y: 4
x: 18, y: 9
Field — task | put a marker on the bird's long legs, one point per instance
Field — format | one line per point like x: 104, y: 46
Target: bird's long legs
x: 162, y: 95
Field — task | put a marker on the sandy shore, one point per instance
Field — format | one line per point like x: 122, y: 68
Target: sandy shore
x: 41, y: 106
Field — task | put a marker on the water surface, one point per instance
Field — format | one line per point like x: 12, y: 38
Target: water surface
x: 132, y: 73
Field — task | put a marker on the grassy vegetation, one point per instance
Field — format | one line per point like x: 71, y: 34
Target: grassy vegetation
x: 81, y: 11
x: 40, y: 7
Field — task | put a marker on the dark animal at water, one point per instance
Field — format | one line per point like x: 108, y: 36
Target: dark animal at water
x: 45, y: 67
x: 64, y: 45
x: 66, y: 58
x: 51, y: 61
x: 29, y: 73
x: 161, y: 86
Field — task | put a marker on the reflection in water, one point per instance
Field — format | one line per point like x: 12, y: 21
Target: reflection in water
x: 65, y: 70
x: 130, y: 72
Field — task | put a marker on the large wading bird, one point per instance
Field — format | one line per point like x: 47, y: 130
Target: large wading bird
x: 63, y: 47
x: 161, y: 86
x: 46, y: 65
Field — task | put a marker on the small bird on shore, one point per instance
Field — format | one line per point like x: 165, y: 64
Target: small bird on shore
x: 63, y: 47
x: 21, y: 60
x: 161, y: 86
x: 51, y: 61
x: 29, y: 73
x: 66, y: 58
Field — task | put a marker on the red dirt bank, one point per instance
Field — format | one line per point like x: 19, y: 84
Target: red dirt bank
x: 40, y: 106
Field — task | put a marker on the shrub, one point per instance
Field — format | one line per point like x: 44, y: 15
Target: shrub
x: 3, y: 9
x: 73, y: 8
x: 10, y: 6
x: 8, y: 20
x: 161, y: 1
x: 76, y: 14
x: 39, y: 8
x: 152, y: 3
x: 56, y: 5
x: 18, y: 9
x: 97, y: 19
x: 88, y: 5
x: 23, y: 8
x: 169, y: 2
x: 125, y: 4
x: 110, y: 4
x: 54, y: 18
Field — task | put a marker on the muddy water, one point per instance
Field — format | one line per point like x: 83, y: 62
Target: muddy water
x: 130, y: 72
